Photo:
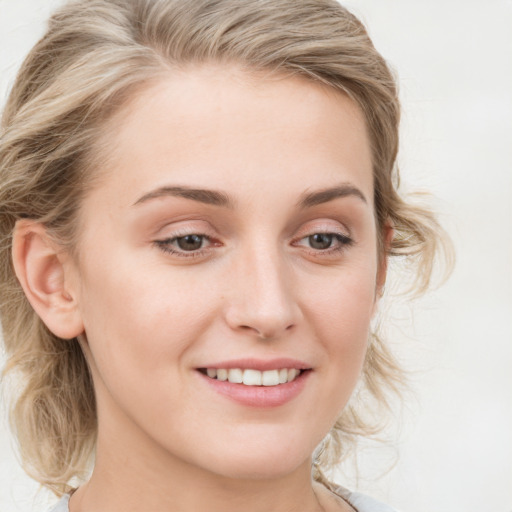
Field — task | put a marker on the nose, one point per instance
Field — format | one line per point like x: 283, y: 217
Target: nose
x: 261, y: 299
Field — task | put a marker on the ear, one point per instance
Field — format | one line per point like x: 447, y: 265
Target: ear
x: 44, y: 273
x: 387, y: 239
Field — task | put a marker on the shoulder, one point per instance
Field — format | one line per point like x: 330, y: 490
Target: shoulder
x: 62, y: 505
x: 362, y: 502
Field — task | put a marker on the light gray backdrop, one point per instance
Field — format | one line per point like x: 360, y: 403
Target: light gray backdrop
x: 454, y: 61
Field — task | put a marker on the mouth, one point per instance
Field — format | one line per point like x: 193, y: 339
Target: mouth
x: 253, y: 377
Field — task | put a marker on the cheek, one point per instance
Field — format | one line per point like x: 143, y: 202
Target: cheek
x: 340, y: 313
x: 345, y: 304
x: 136, y: 320
x: 140, y: 327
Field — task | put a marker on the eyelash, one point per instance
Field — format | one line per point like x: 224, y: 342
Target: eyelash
x: 165, y: 245
x: 343, y: 242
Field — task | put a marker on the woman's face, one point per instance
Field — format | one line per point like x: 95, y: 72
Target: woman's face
x: 232, y: 236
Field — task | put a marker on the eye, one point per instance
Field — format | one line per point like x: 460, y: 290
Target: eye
x: 188, y: 245
x: 321, y: 241
x: 325, y: 243
x: 190, y: 242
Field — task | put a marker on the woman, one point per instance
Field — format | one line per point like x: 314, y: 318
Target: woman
x: 198, y: 204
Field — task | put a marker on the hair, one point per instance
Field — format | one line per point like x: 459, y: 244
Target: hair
x: 94, y: 57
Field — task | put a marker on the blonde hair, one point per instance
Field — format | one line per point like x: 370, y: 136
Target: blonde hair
x: 92, y: 58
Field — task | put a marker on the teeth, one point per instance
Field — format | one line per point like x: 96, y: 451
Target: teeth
x: 235, y: 375
x: 270, y: 378
x: 251, y: 377
x: 292, y: 373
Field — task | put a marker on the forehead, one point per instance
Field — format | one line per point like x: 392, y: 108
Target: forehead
x: 218, y: 123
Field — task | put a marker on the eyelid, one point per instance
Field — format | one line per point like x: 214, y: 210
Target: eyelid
x: 166, y: 245
x: 169, y: 233
x: 183, y: 228
x: 342, y: 238
x: 323, y: 225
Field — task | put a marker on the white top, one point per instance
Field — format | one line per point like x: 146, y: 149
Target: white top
x: 360, y: 502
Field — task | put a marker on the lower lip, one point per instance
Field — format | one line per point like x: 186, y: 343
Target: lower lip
x: 259, y: 396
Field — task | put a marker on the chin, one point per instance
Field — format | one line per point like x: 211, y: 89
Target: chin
x: 264, y: 459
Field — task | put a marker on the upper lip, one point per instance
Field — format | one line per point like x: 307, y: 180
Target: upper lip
x: 260, y: 364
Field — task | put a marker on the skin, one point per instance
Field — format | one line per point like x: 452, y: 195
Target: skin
x: 257, y: 288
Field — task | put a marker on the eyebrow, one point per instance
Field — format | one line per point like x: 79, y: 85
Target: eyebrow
x: 206, y: 196
x: 217, y: 198
x: 323, y: 196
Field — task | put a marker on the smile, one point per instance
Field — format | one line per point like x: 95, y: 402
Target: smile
x: 252, y: 377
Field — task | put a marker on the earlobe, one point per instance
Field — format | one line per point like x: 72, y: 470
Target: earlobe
x: 40, y: 269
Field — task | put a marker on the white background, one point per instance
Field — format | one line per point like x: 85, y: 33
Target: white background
x: 454, y: 62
